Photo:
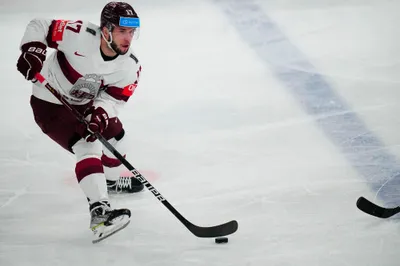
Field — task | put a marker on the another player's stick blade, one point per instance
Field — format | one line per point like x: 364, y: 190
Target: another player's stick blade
x: 101, y: 236
x: 214, y: 231
x: 372, y: 209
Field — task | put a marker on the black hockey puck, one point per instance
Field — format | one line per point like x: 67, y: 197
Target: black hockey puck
x: 221, y: 240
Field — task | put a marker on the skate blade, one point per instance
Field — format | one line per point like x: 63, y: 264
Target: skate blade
x: 103, y: 232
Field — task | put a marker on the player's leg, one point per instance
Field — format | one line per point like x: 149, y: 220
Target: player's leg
x: 113, y: 168
x: 57, y: 123
x: 90, y: 174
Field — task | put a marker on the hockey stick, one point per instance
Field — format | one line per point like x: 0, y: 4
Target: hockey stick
x: 372, y: 209
x: 212, y: 231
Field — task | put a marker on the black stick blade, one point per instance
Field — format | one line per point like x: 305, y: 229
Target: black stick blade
x: 214, y: 231
x: 372, y: 209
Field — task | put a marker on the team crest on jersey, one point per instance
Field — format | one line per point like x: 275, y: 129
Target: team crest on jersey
x: 86, y: 87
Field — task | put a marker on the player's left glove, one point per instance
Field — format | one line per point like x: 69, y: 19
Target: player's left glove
x: 98, y: 122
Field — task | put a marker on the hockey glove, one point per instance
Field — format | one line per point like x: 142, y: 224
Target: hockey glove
x: 98, y: 123
x: 31, y: 59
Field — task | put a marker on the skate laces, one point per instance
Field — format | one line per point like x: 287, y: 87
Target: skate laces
x: 123, y: 182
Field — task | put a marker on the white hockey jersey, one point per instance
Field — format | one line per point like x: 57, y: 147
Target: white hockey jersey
x: 77, y: 69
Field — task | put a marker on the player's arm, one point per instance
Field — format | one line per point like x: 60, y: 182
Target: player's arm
x: 110, y: 101
x: 114, y: 96
x: 51, y: 32
x: 40, y: 34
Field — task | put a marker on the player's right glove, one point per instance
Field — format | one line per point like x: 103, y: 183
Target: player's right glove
x: 31, y: 59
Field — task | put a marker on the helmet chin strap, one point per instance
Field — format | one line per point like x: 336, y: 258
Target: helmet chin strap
x: 110, y: 41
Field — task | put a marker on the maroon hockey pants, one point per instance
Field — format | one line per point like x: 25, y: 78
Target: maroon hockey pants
x: 62, y: 126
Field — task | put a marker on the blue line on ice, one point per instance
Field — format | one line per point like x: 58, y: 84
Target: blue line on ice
x: 343, y: 127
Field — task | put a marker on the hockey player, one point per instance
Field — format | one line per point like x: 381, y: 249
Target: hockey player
x: 95, y: 70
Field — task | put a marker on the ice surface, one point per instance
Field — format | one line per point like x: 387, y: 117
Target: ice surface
x: 278, y: 114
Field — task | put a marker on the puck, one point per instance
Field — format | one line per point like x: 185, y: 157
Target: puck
x: 221, y: 240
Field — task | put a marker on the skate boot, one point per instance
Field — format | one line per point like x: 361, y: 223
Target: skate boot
x: 106, y: 221
x: 124, y: 184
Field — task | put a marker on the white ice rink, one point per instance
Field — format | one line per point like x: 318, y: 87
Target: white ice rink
x: 276, y: 113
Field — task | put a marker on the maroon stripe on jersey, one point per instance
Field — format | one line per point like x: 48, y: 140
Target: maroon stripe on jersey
x: 117, y: 93
x: 110, y: 162
x: 87, y: 167
x: 50, y: 42
x: 69, y: 72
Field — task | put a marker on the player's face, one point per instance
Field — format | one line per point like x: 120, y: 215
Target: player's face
x: 122, y: 38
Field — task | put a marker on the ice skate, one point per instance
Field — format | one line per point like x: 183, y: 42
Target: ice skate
x: 106, y: 221
x: 124, y: 185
